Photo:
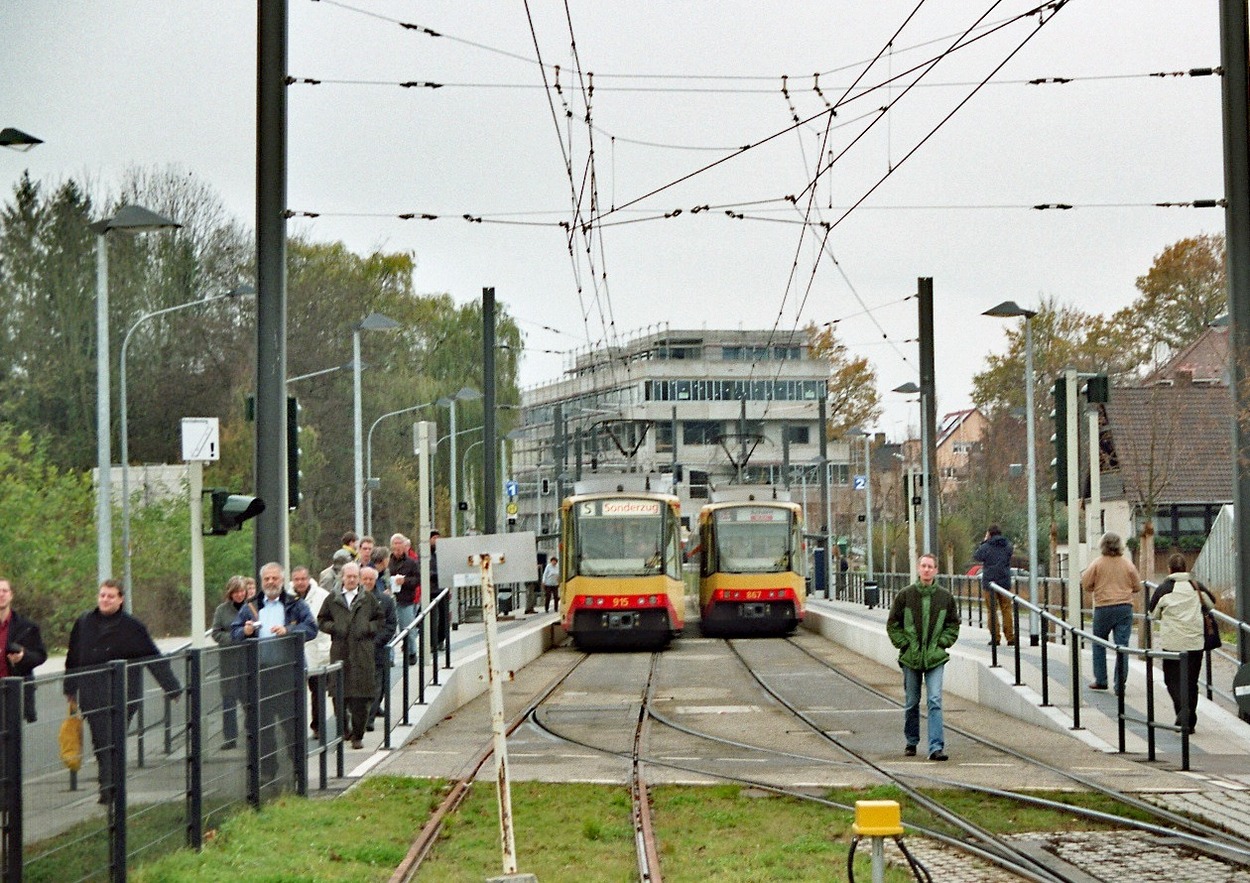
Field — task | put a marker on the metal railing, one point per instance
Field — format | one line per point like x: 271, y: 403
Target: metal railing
x: 1054, y: 628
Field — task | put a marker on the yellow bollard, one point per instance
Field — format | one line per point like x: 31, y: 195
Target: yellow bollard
x: 877, y: 819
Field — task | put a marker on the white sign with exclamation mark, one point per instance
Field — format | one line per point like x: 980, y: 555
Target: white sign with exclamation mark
x: 201, y: 440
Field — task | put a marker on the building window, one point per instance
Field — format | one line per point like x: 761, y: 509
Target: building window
x: 700, y: 432
x: 664, y: 437
x: 798, y: 435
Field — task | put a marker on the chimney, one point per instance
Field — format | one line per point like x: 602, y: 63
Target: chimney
x: 1184, y: 376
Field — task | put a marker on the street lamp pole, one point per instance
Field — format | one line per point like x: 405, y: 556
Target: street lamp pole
x: 868, y: 496
x: 464, y: 459
x: 129, y: 219
x: 369, y: 456
x: 124, y: 417
x: 1010, y: 309
x: 372, y: 322
x: 466, y: 393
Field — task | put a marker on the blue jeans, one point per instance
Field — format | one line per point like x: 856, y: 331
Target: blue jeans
x: 1115, y: 620
x: 405, y: 614
x: 933, y: 705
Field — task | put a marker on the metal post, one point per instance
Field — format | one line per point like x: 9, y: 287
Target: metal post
x: 911, y: 523
x: 498, y: 727
x: 1093, y: 523
x: 451, y: 473
x: 195, y: 747
x: 103, y: 422
x: 868, y: 497
x: 11, y: 777
x: 928, y: 404
x: 822, y: 416
x: 199, y: 610
x: 1074, y: 502
x: 1234, y: 61
x: 425, y: 433
x: 358, y: 474
x: 490, y: 493
x: 1031, y: 461
x: 272, y: 540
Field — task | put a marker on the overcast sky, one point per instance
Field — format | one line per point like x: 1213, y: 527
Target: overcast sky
x: 677, y: 87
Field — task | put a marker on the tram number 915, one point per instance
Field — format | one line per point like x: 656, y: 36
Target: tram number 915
x: 620, y: 602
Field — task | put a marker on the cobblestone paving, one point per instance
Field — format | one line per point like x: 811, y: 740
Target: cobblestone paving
x: 1123, y: 856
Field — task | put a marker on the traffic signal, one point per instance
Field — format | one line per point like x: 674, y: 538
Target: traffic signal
x: 1098, y: 389
x: 545, y: 487
x: 1059, y: 465
x: 293, y: 495
x: 231, y: 510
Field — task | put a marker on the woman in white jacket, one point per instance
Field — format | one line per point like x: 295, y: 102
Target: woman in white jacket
x: 1178, y: 605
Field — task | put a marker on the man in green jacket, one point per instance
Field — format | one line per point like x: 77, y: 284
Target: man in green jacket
x: 923, y: 623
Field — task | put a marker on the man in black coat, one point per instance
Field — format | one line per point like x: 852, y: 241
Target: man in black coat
x: 23, y: 647
x: 100, y: 636
x: 994, y: 553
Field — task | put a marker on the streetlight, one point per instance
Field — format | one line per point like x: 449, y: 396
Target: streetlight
x: 464, y: 462
x: 369, y: 457
x: 867, y: 436
x: 930, y: 526
x: 15, y: 139
x: 371, y: 322
x: 131, y: 219
x: 244, y: 290
x: 466, y: 394
x: 1009, y: 309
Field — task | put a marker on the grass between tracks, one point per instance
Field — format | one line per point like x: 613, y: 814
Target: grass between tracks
x: 573, y: 832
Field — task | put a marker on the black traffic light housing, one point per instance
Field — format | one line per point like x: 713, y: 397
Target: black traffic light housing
x: 1060, y: 440
x: 229, y: 511
x: 293, y: 495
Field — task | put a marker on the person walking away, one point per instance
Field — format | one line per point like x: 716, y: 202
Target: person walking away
x: 1111, y: 580
x: 101, y: 635
x: 405, y: 575
x: 551, y: 584
x: 923, y: 624
x: 316, y: 651
x: 275, y: 613
x: 352, y: 618
x: 441, y: 613
x: 1178, y: 603
x: 381, y: 642
x: 329, y: 578
x: 230, y: 667
x: 994, y: 553
x: 23, y: 648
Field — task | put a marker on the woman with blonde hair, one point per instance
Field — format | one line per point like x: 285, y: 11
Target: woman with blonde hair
x: 1112, y: 580
x: 230, y: 666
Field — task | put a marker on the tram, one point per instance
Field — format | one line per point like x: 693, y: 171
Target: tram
x: 620, y: 570
x: 752, y: 567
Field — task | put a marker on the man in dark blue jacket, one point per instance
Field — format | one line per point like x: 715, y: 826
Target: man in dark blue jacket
x: 995, y: 557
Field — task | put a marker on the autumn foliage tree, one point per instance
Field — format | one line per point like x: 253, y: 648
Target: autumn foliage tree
x: 853, y: 396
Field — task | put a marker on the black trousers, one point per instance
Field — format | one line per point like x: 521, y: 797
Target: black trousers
x: 1178, y: 690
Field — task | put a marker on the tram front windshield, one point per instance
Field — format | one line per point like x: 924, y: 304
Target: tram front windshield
x: 620, y: 537
x: 753, y: 540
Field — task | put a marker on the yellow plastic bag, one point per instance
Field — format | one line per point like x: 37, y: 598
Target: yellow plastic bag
x: 71, y: 738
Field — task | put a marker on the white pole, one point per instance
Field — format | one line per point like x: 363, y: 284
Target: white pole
x: 103, y: 421
x: 503, y: 789
x: 199, y: 611
x: 830, y: 534
x: 358, y: 495
x: 425, y: 433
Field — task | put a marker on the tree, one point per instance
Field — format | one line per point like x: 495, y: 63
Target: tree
x: 853, y: 397
x: 1184, y: 290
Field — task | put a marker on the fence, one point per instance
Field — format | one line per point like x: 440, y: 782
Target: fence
x: 1053, y: 628
x: 160, y: 770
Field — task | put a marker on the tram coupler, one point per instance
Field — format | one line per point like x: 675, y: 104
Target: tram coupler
x: 877, y: 819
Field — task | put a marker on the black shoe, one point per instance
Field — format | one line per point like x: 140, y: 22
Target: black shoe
x: 910, y: 751
x: 1098, y: 686
x: 412, y: 659
x: 228, y: 744
x: 368, y: 728
x: 993, y: 643
x: 938, y: 755
x: 103, y: 799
